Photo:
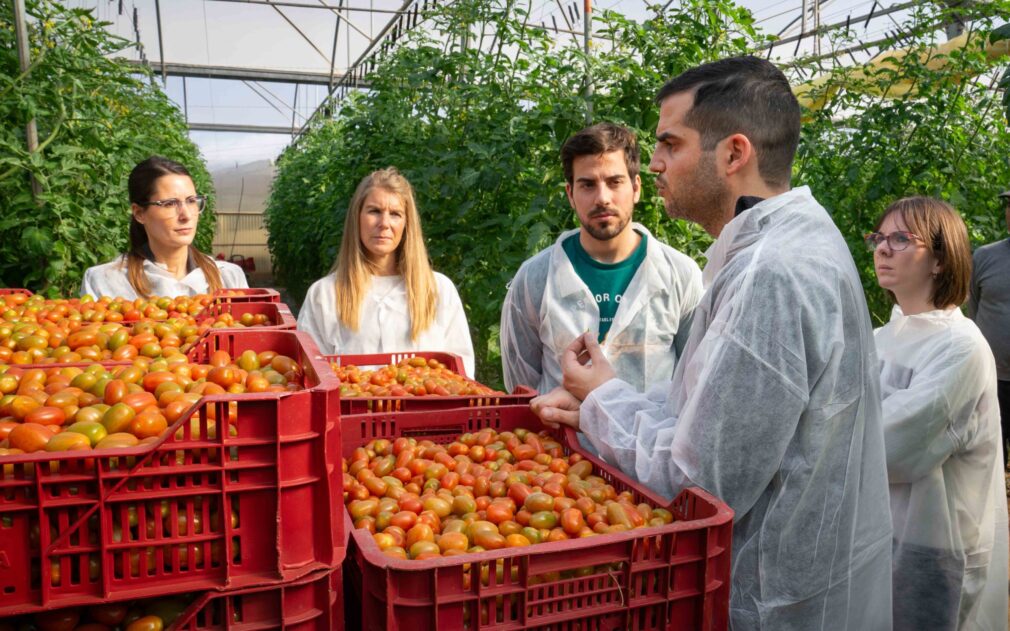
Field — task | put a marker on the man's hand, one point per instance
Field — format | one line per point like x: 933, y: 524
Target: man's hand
x: 584, y: 366
x: 557, y: 407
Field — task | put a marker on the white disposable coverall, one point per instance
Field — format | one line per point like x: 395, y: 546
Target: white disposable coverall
x: 111, y: 279
x: 945, y: 464
x: 384, y: 325
x: 775, y: 409
x: 547, y: 306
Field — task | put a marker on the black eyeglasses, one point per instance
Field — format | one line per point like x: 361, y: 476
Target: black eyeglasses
x: 897, y: 240
x: 175, y: 205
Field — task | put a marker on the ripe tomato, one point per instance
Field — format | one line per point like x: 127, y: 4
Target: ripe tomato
x: 118, y: 417
x: 148, y: 425
x: 29, y: 437
x: 147, y: 623
x: 117, y: 440
x: 68, y: 441
x: 59, y: 620
x: 420, y: 532
x: 219, y: 359
x: 140, y: 400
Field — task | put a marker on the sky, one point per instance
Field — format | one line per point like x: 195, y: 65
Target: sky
x: 241, y: 34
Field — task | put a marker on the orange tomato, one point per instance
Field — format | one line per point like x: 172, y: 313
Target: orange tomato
x: 29, y: 437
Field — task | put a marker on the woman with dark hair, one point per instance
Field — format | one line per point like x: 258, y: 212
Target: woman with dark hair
x: 941, y: 427
x: 162, y: 260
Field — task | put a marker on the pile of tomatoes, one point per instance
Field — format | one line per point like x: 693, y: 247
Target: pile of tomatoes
x: 150, y: 615
x: 65, y: 331
x: 36, y: 308
x: 415, y: 376
x: 71, y: 408
x: 484, y: 491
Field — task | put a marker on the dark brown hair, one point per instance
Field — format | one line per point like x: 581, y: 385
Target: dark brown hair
x: 140, y: 187
x: 946, y: 237
x: 600, y: 139
x: 743, y: 95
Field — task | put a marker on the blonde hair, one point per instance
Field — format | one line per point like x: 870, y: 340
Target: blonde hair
x: 946, y: 237
x: 354, y: 270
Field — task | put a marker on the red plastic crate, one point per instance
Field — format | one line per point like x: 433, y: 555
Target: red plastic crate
x: 248, y: 294
x: 671, y: 577
x: 65, y: 520
x: 313, y: 603
x: 363, y: 405
x: 278, y: 313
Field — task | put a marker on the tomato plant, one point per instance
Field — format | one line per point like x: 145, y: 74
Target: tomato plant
x: 97, y: 117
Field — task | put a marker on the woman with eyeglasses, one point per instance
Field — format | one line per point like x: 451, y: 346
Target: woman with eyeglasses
x: 941, y: 427
x: 382, y: 295
x: 161, y: 260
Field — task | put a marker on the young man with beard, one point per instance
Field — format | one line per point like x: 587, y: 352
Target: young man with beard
x: 610, y: 276
x: 775, y: 404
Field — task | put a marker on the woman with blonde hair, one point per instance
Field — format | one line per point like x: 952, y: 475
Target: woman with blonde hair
x: 162, y: 260
x: 382, y: 295
x: 941, y: 427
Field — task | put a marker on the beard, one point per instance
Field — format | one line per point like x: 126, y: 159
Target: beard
x: 608, y: 231
x: 699, y: 198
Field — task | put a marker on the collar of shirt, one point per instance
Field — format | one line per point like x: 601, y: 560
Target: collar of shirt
x: 567, y: 280
x: 746, y: 202
x: 149, y: 255
x: 743, y: 229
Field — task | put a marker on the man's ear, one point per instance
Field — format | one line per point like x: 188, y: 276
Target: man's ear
x: 568, y: 192
x: 636, y: 184
x: 738, y: 154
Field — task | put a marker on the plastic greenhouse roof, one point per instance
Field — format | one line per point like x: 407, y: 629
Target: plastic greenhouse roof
x: 247, y: 72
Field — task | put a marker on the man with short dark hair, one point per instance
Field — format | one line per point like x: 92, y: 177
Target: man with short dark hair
x: 775, y: 404
x: 610, y: 276
x: 989, y: 307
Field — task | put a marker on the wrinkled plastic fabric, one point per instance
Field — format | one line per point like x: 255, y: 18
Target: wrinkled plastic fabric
x: 112, y: 279
x: 945, y: 464
x: 775, y: 409
x: 384, y: 321
x: 547, y: 306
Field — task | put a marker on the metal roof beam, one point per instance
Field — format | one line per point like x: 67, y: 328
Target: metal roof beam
x: 246, y: 74
x: 321, y: 5
x: 254, y: 129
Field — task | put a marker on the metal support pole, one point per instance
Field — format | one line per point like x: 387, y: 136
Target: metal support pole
x: 161, y: 45
x: 817, y: 26
x: 185, y: 100
x: 333, y: 54
x: 587, y: 35
x: 24, y: 60
x: 294, y: 112
x: 803, y: 18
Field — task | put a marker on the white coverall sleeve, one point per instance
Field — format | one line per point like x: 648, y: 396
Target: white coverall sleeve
x: 521, y: 348
x: 925, y: 423
x: 732, y: 432
x: 457, y: 331
x: 693, y: 291
x: 312, y: 318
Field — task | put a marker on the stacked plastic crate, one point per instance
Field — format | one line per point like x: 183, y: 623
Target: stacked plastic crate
x: 241, y: 522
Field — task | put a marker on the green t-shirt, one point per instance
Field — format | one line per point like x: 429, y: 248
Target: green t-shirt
x: 606, y: 281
